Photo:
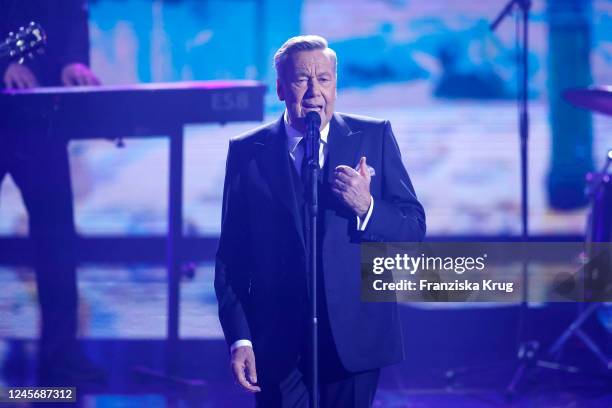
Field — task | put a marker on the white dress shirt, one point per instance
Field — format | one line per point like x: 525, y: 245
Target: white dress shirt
x: 296, y: 152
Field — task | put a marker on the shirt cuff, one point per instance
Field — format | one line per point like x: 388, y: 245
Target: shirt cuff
x: 362, y: 225
x: 241, y: 343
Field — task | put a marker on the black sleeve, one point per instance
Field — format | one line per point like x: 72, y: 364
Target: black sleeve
x: 397, y: 216
x: 232, y: 276
x: 12, y: 16
x: 73, y: 33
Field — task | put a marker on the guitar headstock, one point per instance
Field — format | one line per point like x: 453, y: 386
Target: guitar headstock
x: 24, y: 43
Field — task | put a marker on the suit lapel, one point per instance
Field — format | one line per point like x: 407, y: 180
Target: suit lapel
x: 343, y: 145
x: 275, y: 163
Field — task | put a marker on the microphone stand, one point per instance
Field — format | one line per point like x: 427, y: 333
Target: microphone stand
x: 526, y: 349
x: 313, y: 138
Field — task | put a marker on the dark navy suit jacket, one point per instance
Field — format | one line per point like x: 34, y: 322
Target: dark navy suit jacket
x: 260, y: 277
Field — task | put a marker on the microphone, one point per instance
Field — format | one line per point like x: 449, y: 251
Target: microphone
x: 313, y: 123
x: 312, y: 139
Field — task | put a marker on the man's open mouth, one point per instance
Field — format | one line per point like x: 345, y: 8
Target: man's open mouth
x: 311, y: 108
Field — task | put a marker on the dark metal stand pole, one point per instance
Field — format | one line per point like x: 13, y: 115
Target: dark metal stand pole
x: 173, y: 264
x: 593, y: 236
x: 312, y: 157
x: 526, y: 349
x: 173, y: 244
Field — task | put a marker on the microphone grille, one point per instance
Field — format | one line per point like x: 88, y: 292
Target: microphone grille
x: 313, y: 118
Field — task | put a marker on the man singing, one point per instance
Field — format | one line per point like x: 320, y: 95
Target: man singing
x: 262, y: 287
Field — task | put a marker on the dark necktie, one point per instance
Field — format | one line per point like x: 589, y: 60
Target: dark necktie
x: 304, y: 167
x: 304, y: 170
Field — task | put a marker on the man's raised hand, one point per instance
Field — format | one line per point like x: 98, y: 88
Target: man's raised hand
x: 352, y: 187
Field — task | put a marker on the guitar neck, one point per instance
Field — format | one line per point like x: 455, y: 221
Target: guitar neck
x: 23, y: 42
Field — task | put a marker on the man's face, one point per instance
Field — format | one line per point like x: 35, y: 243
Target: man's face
x: 308, y: 83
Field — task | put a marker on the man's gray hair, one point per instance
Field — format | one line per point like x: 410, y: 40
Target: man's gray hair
x: 302, y: 43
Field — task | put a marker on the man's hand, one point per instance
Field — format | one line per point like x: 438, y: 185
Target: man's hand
x: 18, y: 76
x: 77, y: 74
x: 352, y: 187
x: 243, y: 367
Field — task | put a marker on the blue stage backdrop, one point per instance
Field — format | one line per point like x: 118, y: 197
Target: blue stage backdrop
x: 432, y: 68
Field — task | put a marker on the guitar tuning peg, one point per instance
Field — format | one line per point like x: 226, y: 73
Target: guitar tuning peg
x: 21, y: 60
